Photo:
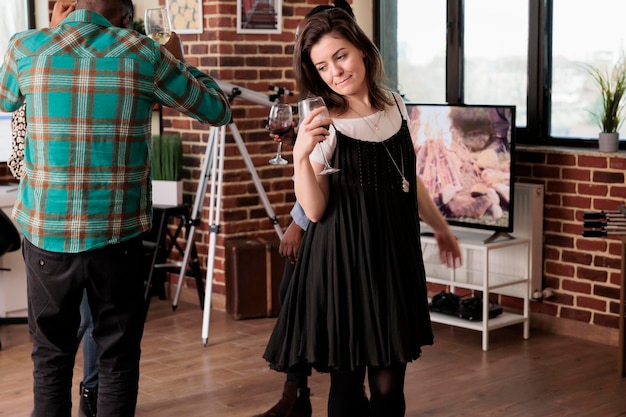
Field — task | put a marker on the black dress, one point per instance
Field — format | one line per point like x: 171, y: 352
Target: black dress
x: 358, y: 294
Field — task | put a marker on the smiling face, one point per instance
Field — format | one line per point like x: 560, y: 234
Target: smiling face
x: 340, y: 65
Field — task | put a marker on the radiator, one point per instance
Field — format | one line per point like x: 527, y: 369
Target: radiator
x: 528, y: 224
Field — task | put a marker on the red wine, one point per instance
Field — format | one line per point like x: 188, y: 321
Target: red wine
x: 279, y: 129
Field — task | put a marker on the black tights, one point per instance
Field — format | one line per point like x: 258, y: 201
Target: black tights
x: 386, y: 388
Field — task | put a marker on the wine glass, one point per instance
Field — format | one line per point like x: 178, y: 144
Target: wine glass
x: 157, y: 24
x: 279, y: 122
x: 305, y: 107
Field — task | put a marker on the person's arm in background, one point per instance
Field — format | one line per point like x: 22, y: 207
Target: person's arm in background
x: 187, y: 89
x: 290, y: 243
x: 449, y: 250
x: 60, y: 11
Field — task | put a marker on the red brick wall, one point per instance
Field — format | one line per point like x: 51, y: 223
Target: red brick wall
x: 584, y: 272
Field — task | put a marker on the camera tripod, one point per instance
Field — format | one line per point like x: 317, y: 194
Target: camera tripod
x: 216, y: 143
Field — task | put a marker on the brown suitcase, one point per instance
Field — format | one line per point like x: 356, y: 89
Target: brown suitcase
x: 253, y: 272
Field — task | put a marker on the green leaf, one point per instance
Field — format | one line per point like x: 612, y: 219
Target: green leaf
x: 167, y: 157
x: 612, y: 86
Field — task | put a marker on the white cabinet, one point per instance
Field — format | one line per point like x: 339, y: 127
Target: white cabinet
x: 13, y: 301
x: 500, y: 267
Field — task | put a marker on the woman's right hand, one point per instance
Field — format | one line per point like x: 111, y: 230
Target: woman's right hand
x: 311, y: 131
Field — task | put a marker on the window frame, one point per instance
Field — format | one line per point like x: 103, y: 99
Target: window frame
x: 537, y: 131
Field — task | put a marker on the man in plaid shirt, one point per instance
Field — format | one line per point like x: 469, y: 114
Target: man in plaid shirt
x: 90, y: 85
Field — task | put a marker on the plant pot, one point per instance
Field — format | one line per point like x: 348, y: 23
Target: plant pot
x: 608, y: 142
x: 167, y: 193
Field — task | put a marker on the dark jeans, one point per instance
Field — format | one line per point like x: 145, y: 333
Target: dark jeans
x: 90, y: 348
x: 114, y: 279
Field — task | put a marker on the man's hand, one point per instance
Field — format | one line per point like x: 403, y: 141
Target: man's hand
x: 175, y: 46
x: 290, y: 244
x: 60, y: 11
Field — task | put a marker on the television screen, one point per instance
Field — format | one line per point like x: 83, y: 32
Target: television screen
x: 464, y: 155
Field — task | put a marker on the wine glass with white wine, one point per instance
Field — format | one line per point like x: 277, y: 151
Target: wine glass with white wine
x: 305, y: 107
x: 157, y: 24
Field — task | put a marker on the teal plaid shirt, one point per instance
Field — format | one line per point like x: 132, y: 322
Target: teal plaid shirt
x: 90, y: 89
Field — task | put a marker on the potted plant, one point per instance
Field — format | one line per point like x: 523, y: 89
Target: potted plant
x: 167, y: 157
x: 612, y: 85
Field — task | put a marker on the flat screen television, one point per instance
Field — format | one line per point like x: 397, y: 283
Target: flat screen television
x: 464, y: 157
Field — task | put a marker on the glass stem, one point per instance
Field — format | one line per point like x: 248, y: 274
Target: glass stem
x: 326, y: 163
x: 278, y: 149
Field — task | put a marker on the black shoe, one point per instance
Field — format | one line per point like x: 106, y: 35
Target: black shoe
x: 294, y: 403
x: 88, y: 405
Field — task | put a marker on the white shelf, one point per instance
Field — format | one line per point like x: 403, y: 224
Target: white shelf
x: 503, y: 320
x: 501, y: 267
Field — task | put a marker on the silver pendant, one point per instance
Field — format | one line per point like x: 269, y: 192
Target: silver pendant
x: 405, y: 185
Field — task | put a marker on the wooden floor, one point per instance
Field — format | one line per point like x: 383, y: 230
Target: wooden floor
x: 547, y: 375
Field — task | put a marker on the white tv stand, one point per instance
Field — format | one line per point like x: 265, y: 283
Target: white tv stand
x: 501, y: 266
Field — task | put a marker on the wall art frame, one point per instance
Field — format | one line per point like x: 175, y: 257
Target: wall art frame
x: 186, y: 16
x: 259, y: 16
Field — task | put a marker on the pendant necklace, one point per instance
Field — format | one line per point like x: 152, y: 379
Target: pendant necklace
x: 374, y: 128
x: 405, y: 183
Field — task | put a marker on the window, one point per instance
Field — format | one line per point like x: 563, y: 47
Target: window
x: 495, y: 59
x: 422, y: 65
x: 18, y: 16
x: 582, y: 35
x: 529, y: 53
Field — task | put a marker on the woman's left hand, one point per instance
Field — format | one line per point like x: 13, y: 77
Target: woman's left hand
x: 449, y: 250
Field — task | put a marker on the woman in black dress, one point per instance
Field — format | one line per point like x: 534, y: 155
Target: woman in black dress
x: 357, y: 300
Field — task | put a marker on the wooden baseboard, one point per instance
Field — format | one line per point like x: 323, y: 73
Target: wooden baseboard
x: 566, y: 327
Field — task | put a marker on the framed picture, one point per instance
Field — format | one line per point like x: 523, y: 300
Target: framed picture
x: 259, y: 16
x: 186, y: 15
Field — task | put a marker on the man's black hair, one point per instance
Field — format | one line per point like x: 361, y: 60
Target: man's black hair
x: 340, y: 4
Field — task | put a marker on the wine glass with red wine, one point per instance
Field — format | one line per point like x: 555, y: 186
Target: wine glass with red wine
x: 279, y: 123
x: 305, y: 107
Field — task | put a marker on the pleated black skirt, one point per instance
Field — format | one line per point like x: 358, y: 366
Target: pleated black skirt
x: 358, y: 294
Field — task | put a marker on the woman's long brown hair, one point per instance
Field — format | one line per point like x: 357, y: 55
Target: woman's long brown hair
x: 339, y: 24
